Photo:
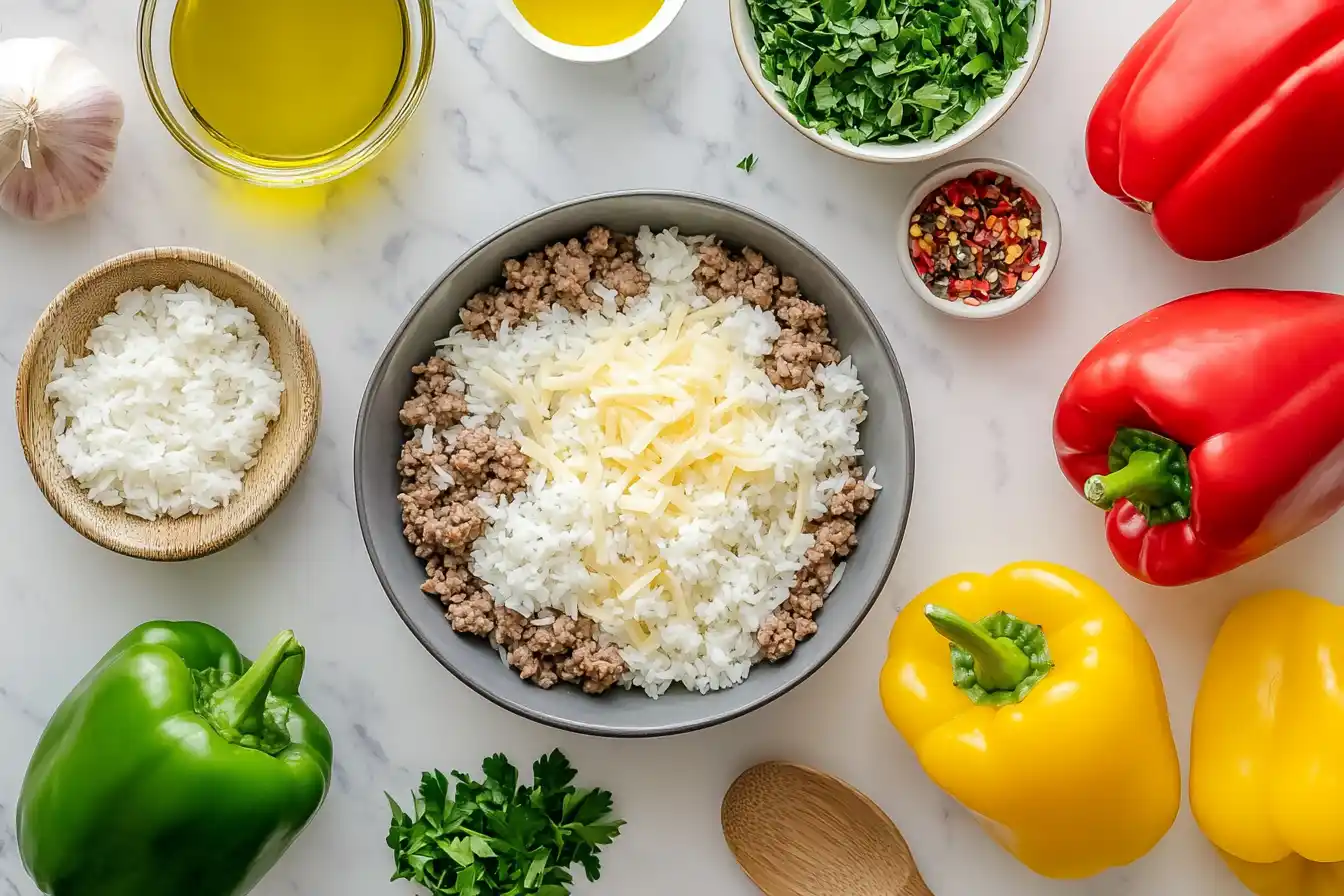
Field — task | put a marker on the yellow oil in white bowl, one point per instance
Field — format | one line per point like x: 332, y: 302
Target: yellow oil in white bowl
x: 589, y: 23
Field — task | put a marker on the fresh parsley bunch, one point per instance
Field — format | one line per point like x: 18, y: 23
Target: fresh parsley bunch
x: 499, y: 838
x: 890, y: 71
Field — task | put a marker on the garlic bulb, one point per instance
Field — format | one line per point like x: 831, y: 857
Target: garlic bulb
x: 59, y: 123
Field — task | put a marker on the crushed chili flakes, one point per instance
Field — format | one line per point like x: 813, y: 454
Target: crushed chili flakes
x: 977, y: 238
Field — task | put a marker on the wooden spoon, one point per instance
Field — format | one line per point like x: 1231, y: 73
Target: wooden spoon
x: 799, y: 832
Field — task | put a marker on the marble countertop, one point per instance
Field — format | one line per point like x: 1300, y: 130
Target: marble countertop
x: 503, y: 132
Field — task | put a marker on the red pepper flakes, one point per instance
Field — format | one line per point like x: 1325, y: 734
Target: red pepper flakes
x: 977, y: 238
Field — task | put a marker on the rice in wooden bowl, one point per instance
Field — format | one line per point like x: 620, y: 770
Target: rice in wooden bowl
x: 63, y: 333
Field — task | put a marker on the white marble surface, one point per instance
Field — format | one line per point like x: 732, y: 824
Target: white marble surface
x: 503, y: 132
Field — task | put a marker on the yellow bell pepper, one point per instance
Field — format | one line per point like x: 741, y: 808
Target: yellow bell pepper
x: 1047, y: 718
x: 1267, y: 745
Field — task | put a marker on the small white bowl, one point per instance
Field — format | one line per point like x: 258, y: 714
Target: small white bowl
x: 605, y: 53
x: 1052, y: 232
x: 744, y: 36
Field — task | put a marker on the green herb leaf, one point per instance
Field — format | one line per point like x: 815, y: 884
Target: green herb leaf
x: 1015, y: 41
x: 978, y: 66
x: 931, y: 96
x: 466, y: 881
x: 1016, y: 8
x: 748, y: 164
x: 500, y: 774
x: 987, y: 19
x: 540, y: 863
x: 497, y: 837
x: 890, y: 71
x: 828, y: 65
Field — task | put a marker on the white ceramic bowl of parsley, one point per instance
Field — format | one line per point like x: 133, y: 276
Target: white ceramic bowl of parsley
x: 744, y: 37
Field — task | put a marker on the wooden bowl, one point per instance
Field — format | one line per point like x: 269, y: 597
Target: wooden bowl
x: 69, y: 320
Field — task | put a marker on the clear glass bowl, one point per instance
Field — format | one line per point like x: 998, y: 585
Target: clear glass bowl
x: 156, y: 70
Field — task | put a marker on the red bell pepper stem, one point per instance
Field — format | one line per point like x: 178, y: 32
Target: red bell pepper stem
x: 1150, y: 470
x: 1144, y: 478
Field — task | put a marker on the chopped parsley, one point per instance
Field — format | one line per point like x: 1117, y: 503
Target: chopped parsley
x: 890, y: 71
x: 748, y: 164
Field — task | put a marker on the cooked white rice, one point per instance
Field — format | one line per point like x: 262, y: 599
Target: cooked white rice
x: 733, y: 563
x: 170, y: 406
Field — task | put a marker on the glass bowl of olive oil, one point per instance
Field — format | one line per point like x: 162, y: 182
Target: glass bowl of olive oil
x: 286, y: 93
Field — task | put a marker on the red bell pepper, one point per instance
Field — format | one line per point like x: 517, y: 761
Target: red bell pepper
x: 1211, y: 429
x: 1225, y: 122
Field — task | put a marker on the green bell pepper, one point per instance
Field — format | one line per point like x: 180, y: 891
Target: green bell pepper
x: 175, y: 767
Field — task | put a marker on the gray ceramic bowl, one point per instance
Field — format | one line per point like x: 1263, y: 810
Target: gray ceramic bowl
x: 888, y: 443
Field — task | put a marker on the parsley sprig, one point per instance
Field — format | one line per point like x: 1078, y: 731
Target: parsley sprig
x: 890, y: 71
x: 497, y: 837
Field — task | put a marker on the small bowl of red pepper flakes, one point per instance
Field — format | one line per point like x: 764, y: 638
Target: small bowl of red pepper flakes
x: 982, y: 237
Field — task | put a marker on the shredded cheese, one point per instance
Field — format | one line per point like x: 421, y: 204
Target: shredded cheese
x: 670, y: 435
x: 800, y: 510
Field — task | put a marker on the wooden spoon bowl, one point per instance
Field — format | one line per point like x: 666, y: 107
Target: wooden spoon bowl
x: 67, y: 323
x: 800, y: 832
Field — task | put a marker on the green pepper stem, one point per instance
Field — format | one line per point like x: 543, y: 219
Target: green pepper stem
x: 1000, y: 665
x: 239, y: 709
x: 1145, y: 478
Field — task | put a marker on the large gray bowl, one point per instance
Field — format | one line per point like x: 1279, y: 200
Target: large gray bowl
x: 888, y: 443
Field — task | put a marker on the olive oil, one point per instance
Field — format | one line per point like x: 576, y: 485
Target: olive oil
x: 289, y: 80
x: 589, y: 23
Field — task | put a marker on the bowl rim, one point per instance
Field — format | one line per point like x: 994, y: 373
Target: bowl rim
x: 1051, y: 224
x: 902, y: 154
x: 288, y: 176
x: 616, y: 731
x: 661, y: 21
x: 297, y: 459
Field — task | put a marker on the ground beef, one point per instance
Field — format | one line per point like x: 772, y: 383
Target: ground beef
x: 435, y: 403
x: 439, y: 488
x: 483, y: 461
x: 565, y: 650
x: 780, y: 634
x: 806, y: 341
x: 836, y: 535
x: 593, y: 667
x: 519, y: 299
x: 449, y: 579
x: 802, y: 316
x: 473, y: 616
x: 540, y: 670
x: 615, y: 263
x: 442, y: 519
x: 562, y: 273
x: 723, y: 273
x: 510, y: 626
x: 854, y: 498
x: 571, y: 269
x: 796, y: 356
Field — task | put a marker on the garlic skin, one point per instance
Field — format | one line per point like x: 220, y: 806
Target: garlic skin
x: 59, y: 122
